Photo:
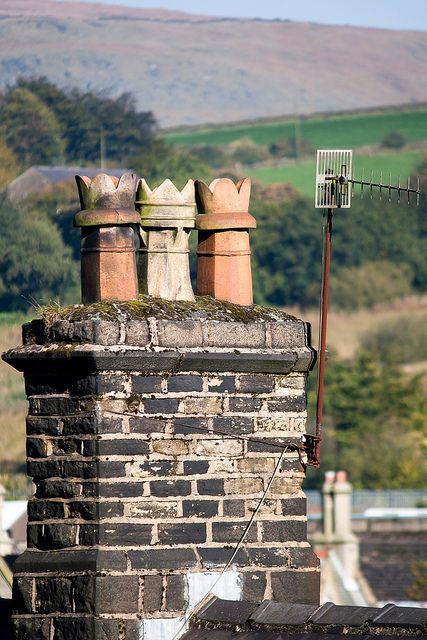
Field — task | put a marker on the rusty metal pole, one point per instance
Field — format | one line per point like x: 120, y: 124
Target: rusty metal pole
x: 109, y: 242
x: 324, y: 301
x: 223, y: 254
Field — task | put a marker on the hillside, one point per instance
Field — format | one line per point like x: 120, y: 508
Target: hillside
x: 192, y: 69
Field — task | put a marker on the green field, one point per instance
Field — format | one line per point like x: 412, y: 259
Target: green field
x: 302, y: 174
x: 339, y: 132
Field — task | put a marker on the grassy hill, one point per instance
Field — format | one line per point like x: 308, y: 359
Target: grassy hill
x: 302, y: 174
x: 190, y: 69
x: 340, y: 131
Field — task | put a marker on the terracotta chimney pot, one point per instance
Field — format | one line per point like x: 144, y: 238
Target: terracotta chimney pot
x: 167, y: 217
x: 109, y: 240
x: 223, y: 255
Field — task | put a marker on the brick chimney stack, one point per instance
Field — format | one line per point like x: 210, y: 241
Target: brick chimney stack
x: 157, y: 429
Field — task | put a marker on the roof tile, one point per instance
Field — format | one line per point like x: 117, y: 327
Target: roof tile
x: 279, y: 613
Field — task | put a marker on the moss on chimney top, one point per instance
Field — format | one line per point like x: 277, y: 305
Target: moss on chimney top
x: 204, y: 308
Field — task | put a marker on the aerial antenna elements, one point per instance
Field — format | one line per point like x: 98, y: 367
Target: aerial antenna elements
x: 336, y: 182
x: 335, y: 187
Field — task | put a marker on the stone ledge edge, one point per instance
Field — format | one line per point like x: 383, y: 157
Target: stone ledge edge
x: 83, y: 359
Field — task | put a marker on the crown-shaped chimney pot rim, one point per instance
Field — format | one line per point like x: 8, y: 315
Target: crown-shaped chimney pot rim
x: 106, y: 200
x: 223, y: 196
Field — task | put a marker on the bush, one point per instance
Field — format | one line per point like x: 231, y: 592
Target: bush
x: 245, y: 151
x: 399, y: 341
x: 292, y: 147
x: 393, y: 140
x: 370, y: 284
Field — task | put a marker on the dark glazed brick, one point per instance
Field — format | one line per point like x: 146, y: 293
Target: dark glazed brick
x: 79, y: 425
x: 22, y: 594
x: 254, y: 585
x: 271, y: 445
x: 122, y: 447
x: 43, y: 426
x: 80, y: 469
x: 234, y: 508
x: 190, y: 425
x: 88, y: 535
x: 296, y: 586
x: 106, y: 629
x: 85, y: 509
x: 109, y: 425
x: 110, y: 509
x: 165, y: 488
x: 220, y: 556
x: 222, y: 384
x: 294, y: 506
x: 232, y: 532
x: 161, y: 405
x: 303, y: 557
x: 32, y: 628
x: 268, y: 556
x: 185, y: 383
x: 210, y: 487
x: 101, y: 383
x: 117, y: 594
x: 121, y: 489
x: 51, y: 536
x: 73, y: 628
x: 199, y: 508
x: 45, y: 469
x: 37, y: 448
x: 57, y: 489
x: 65, y: 595
x: 197, y: 467
x: 146, y: 384
x: 284, y: 531
x: 45, y: 510
x: 247, y: 405
x: 124, y: 534
x: 69, y: 561
x: 176, y: 593
x: 153, y: 592
x: 182, y: 533
x: 133, y: 629
x: 39, y: 384
x: 158, y: 559
x: 68, y: 446
x: 235, y: 424
x: 256, y: 384
x: 59, y: 405
x: 288, y: 403
x: 147, y: 425
x: 108, y: 469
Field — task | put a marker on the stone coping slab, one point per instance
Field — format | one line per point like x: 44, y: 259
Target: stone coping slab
x: 90, y: 358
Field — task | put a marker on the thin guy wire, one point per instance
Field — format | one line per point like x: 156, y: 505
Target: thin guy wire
x: 237, y: 547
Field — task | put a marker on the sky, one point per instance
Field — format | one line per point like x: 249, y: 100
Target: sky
x: 389, y: 14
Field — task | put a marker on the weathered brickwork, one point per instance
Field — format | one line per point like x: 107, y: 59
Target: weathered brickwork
x: 147, y: 474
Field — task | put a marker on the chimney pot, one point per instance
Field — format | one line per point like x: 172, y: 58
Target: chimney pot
x: 109, y: 240
x: 223, y: 256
